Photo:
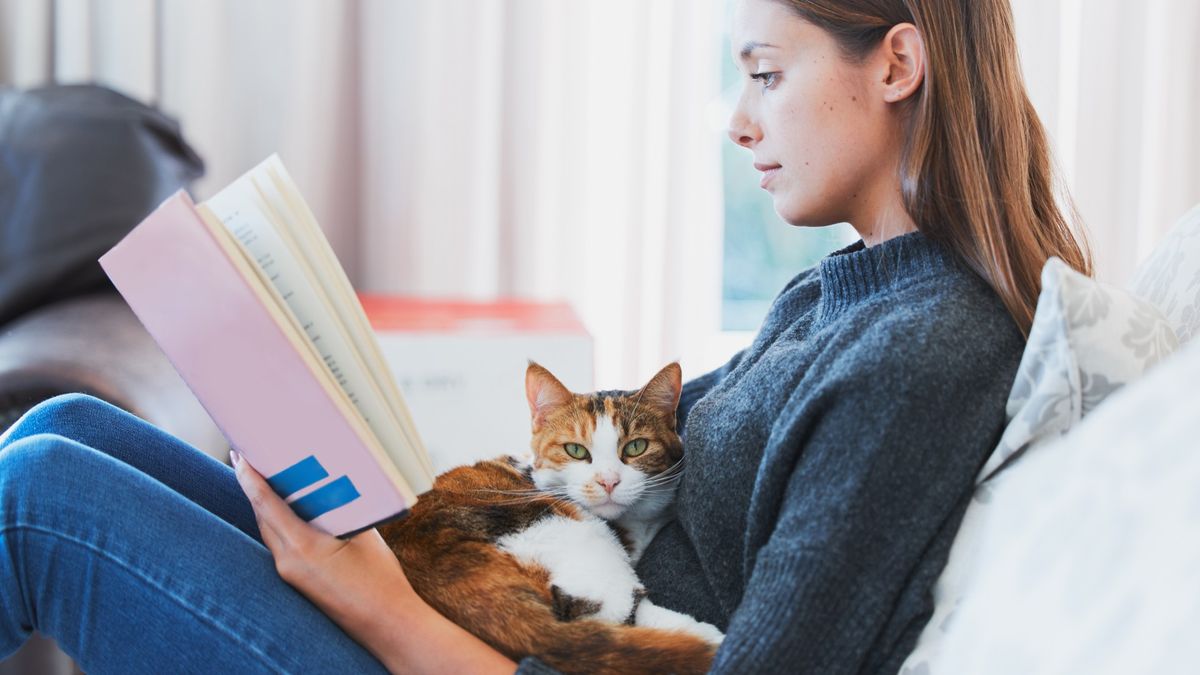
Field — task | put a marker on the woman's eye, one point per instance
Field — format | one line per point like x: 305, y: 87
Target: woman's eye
x: 767, y: 79
x: 575, y: 450
x: 635, y: 448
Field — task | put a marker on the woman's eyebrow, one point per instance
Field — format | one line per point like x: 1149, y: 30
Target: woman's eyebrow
x: 749, y: 48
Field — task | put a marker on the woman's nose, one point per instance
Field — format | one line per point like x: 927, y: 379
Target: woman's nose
x: 742, y: 132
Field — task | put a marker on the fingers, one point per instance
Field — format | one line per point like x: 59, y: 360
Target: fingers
x: 281, y: 528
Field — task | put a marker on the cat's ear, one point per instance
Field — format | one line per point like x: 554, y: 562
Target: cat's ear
x: 662, y: 391
x: 544, y: 393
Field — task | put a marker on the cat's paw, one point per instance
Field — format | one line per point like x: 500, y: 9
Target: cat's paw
x: 650, y: 614
x: 707, y: 632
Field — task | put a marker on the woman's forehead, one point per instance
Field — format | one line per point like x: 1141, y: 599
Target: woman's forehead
x: 767, y: 27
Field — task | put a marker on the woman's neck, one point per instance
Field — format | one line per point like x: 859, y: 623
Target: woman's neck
x: 879, y: 213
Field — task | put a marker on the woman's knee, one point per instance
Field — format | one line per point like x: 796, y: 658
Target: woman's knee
x: 32, y: 464
x: 58, y: 414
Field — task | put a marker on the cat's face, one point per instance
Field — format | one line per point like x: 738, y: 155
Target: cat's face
x: 611, y: 452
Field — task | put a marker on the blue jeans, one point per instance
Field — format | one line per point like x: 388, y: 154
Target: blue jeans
x: 139, y: 553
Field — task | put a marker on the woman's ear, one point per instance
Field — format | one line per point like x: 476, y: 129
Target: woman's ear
x: 902, y: 55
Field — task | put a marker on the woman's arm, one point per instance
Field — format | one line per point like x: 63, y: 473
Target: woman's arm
x: 359, y: 584
x: 695, y: 388
x: 880, y: 461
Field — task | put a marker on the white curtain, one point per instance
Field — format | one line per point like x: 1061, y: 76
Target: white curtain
x: 569, y: 150
x: 1117, y: 84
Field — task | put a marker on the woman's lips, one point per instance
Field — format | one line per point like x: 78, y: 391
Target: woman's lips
x: 768, y: 175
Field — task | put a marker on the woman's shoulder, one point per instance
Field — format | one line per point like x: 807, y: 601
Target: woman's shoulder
x: 953, y: 323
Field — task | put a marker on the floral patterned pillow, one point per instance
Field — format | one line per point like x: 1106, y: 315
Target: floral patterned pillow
x: 1170, y: 278
x: 1088, y: 339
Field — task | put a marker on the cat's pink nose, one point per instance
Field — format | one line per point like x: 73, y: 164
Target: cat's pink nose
x: 609, y: 484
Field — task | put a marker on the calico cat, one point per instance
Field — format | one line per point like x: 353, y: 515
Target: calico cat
x: 536, y: 555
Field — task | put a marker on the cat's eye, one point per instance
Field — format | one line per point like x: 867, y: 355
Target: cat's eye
x: 635, y: 448
x: 576, y: 450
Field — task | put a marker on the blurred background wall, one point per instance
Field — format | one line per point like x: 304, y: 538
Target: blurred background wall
x: 572, y: 150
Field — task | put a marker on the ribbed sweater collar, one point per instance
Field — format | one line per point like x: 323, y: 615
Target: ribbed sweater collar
x: 853, y: 274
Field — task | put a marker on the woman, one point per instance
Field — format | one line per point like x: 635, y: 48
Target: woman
x: 829, y: 463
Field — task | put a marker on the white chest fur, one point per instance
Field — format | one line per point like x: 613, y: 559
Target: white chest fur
x: 584, y: 558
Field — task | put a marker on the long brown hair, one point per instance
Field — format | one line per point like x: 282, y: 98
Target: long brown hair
x: 976, y: 173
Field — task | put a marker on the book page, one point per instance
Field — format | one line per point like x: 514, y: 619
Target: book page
x: 297, y: 226
x: 298, y: 219
x: 270, y: 301
x: 245, y: 214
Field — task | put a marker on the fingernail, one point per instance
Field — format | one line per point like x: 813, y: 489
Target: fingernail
x: 234, y: 457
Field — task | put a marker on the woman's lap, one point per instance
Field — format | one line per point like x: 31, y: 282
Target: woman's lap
x: 139, y: 553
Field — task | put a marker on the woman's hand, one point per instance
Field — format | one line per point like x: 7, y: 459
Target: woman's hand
x: 358, y: 582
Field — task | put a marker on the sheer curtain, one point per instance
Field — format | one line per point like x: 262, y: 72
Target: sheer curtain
x: 569, y: 150
x: 1118, y: 86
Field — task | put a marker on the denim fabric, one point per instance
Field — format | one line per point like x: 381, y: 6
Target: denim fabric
x: 138, y: 553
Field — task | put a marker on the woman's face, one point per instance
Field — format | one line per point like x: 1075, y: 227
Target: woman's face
x: 813, y: 116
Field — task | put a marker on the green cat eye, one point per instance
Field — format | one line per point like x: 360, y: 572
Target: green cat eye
x: 576, y: 450
x: 635, y: 448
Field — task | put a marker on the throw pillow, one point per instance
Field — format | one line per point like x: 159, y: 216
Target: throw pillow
x: 1170, y: 277
x: 1088, y: 339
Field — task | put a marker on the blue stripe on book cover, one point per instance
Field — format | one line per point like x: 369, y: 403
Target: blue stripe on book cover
x: 297, y: 476
x: 325, y: 498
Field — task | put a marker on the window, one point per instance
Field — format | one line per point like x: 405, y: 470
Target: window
x: 761, y: 251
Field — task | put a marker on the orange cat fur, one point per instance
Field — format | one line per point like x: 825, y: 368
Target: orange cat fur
x: 536, y: 557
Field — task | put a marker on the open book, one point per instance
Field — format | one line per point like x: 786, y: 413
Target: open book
x: 246, y: 298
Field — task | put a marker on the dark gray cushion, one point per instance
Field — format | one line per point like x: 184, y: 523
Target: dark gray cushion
x: 80, y: 165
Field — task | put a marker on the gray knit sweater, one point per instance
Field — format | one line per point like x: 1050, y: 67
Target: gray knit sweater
x: 830, y: 463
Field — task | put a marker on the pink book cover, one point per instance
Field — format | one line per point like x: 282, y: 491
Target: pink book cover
x: 258, y: 390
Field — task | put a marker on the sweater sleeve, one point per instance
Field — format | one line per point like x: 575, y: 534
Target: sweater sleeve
x: 883, y: 454
x: 696, y: 388
x: 531, y: 665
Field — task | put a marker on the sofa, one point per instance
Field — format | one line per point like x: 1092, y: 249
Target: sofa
x: 80, y: 165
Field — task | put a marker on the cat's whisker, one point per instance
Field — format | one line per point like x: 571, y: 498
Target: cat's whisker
x: 667, y: 485
x: 525, y: 496
x: 634, y: 414
x: 674, y: 469
x: 530, y: 491
x: 666, y: 476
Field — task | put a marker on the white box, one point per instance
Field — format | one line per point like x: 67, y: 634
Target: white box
x: 461, y: 367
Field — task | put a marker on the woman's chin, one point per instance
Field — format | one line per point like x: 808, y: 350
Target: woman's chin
x: 792, y: 215
x: 797, y: 211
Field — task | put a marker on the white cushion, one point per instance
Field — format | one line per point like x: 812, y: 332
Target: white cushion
x: 1170, y: 277
x: 1092, y: 545
x: 1087, y: 340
